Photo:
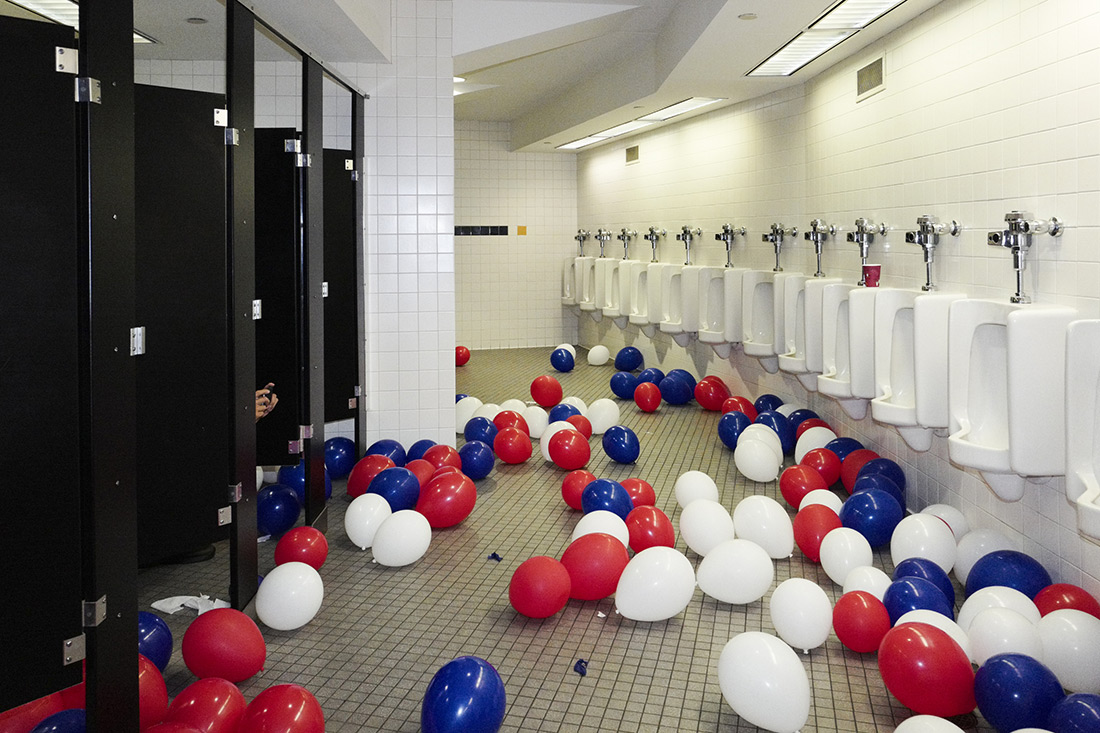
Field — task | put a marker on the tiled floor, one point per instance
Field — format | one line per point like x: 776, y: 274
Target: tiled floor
x: 382, y: 633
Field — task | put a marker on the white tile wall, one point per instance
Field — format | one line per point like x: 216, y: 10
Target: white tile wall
x: 507, y: 287
x: 989, y: 106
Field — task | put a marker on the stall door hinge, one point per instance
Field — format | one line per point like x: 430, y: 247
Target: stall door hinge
x: 137, y: 340
x: 324, y: 289
x: 88, y: 90
x: 353, y: 403
x: 305, y: 432
x: 303, y: 160
x: 225, y: 516
x: 349, y: 164
x: 221, y: 117
x: 293, y: 145
x: 94, y: 612
x: 355, y: 175
x: 257, y: 309
x: 66, y: 60
x: 72, y: 650
x: 232, y: 137
x: 235, y: 492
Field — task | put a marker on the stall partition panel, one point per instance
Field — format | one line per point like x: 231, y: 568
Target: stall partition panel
x: 342, y: 278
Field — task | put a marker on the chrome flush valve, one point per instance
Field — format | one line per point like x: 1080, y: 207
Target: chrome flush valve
x: 863, y: 236
x: 582, y: 236
x: 775, y: 236
x: 624, y: 236
x: 726, y: 235
x: 927, y: 236
x: 1017, y: 237
x: 653, y: 235
x: 819, y: 232
x: 603, y: 236
x: 687, y: 235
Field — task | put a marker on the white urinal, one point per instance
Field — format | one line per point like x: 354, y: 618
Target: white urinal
x: 680, y: 286
x: 1083, y: 423
x: 861, y: 341
x: 569, y: 281
x: 716, y: 287
x: 795, y: 317
x: 815, y: 300
x: 734, y: 317
x: 758, y: 317
x: 586, y: 283
x: 618, y: 299
x: 639, y: 295
x: 779, y: 309
x: 835, y: 379
x: 1007, y: 391
x: 895, y: 366
x: 930, y: 370
x: 603, y: 273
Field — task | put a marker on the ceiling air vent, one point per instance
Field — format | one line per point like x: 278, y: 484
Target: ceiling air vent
x: 870, y: 80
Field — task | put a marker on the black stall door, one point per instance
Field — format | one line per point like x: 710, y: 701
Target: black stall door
x: 344, y: 279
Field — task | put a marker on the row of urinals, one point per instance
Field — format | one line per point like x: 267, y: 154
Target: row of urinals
x: 1014, y: 387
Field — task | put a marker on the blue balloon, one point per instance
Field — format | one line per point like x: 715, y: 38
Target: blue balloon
x: 465, y: 696
x: 277, y: 509
x: 920, y: 567
x: 1076, y: 713
x: 628, y: 359
x: 730, y: 427
x: 480, y: 428
x: 562, y: 360
x: 843, y: 446
x: 398, y: 486
x: 778, y: 422
x: 621, y: 444
x: 685, y: 375
x: 389, y: 448
x: 561, y: 411
x: 1016, y: 691
x: 881, y: 482
x: 607, y: 495
x: 676, y: 390
x: 887, y: 468
x: 1009, y: 568
x: 911, y: 594
x: 295, y: 478
x: 623, y: 385
x: 874, y: 514
x: 798, y: 416
x: 339, y: 456
x: 418, y: 449
x: 767, y: 402
x: 154, y: 639
x: 460, y: 396
x: 650, y: 374
x: 477, y: 459
x: 67, y: 721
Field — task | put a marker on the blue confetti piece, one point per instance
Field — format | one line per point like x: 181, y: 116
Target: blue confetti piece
x: 581, y: 667
x: 496, y: 557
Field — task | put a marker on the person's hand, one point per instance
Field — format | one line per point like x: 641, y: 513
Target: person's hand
x: 265, y: 400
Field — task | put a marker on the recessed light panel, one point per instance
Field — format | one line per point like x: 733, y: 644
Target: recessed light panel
x: 678, y: 109
x: 803, y: 49
x: 624, y: 128
x: 591, y: 140
x: 855, y: 14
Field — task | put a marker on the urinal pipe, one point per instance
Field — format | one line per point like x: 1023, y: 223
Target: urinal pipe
x: 625, y: 235
x: 686, y: 236
x: 1017, y: 238
x: 582, y: 237
x: 862, y: 237
x: 726, y: 235
x: 927, y: 237
x: 603, y: 236
x: 775, y: 236
x: 653, y: 235
x: 819, y: 232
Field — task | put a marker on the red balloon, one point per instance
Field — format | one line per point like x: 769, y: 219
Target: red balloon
x: 813, y: 422
x: 854, y: 461
x: 647, y: 396
x: 421, y: 469
x: 740, y: 404
x: 860, y: 620
x: 364, y: 472
x: 443, y: 455
x: 211, y: 705
x: 711, y: 394
x: 572, y: 486
x: 283, y: 709
x: 445, y: 471
x: 302, y: 544
x: 511, y: 419
x: 447, y: 499
x: 569, y: 449
x: 595, y: 562
x: 27, y: 716
x: 152, y: 693
x: 926, y: 670
x: 797, y: 481
x: 641, y: 492
x: 649, y: 527
x: 546, y: 390
x: 811, y: 524
x: 169, y: 726
x: 540, y: 587
x: 462, y: 355
x: 71, y: 697
x: 224, y: 643
x: 1066, y: 595
x: 825, y: 462
x: 512, y: 445
x: 582, y: 424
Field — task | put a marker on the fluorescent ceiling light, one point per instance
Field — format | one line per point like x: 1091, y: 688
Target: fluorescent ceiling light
x: 590, y: 140
x: 624, y: 128
x: 855, y: 14
x: 458, y: 79
x: 678, y: 109
x: 803, y: 49
x: 66, y: 13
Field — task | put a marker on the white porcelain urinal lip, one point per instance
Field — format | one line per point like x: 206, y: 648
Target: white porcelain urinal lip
x: 793, y: 358
x: 734, y: 317
x: 619, y: 299
x: 815, y: 293
x: 711, y: 320
x: 752, y: 280
x: 639, y: 293
x: 586, y: 283
x: 861, y: 341
x: 569, y: 281
x: 930, y: 326
x: 831, y: 382
x: 1083, y: 423
x: 672, y: 299
x: 894, y: 341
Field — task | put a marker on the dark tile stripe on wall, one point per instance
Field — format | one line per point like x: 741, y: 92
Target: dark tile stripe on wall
x: 481, y: 231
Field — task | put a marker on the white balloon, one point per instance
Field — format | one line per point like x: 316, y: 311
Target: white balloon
x: 955, y: 519
x: 544, y: 440
x: 1071, y: 644
x: 598, y: 355
x: 488, y: 410
x: 843, y: 550
x: 923, y: 535
x: 976, y: 544
x: 758, y: 431
x: 1000, y: 631
x: 537, y: 420
x: 765, y: 682
x: 464, y: 410
x: 603, y: 414
x: 693, y: 485
x: 801, y: 613
x: 271, y: 476
x: 576, y: 402
x: 605, y: 522
x: 756, y: 460
x: 867, y: 578
x: 402, y: 539
x: 657, y: 584
x: 928, y: 724
x: 941, y: 622
x: 290, y: 596
x: 704, y: 524
x: 568, y: 347
x: 816, y: 437
x: 736, y: 571
x: 764, y: 521
x: 786, y: 409
x: 996, y: 596
x: 259, y: 476
x: 363, y: 517
x: 822, y: 496
x: 513, y: 405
